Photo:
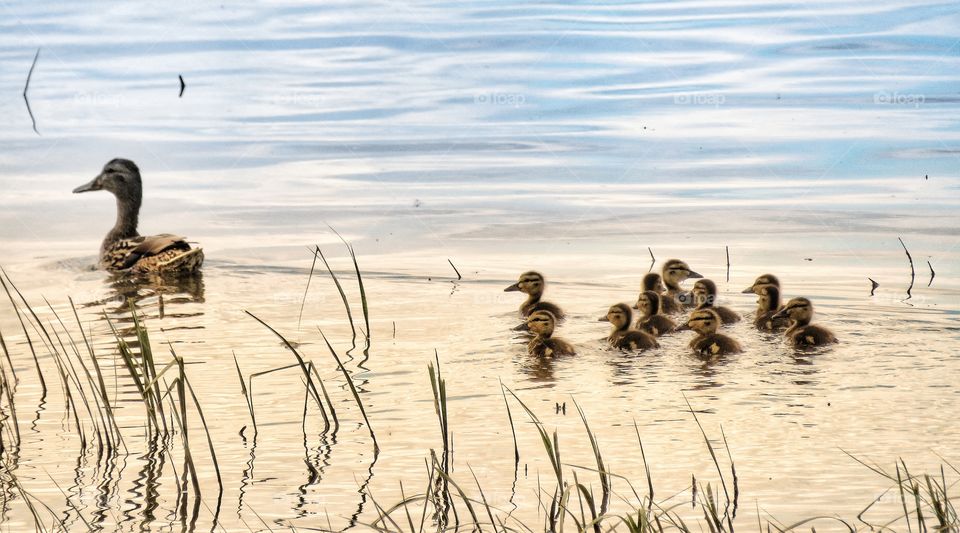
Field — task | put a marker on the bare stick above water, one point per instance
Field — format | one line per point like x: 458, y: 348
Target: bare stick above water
x: 26, y: 87
x: 183, y: 85
x: 932, y: 274
x: 913, y: 273
x: 455, y: 269
x: 873, y: 286
x: 728, y: 263
x: 653, y: 260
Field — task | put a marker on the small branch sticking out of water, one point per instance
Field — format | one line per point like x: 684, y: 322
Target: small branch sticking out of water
x: 932, y: 274
x: 653, y: 260
x: 913, y: 273
x: 873, y: 286
x: 459, y: 277
x: 183, y: 85
x: 26, y: 87
x: 728, y: 263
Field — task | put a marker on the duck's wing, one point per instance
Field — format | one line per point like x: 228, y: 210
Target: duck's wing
x: 154, y: 245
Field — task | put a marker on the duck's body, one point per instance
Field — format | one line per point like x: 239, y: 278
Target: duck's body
x: 768, y: 305
x: 674, y: 273
x: 533, y: 284
x: 622, y: 337
x: 543, y: 344
x: 668, y: 304
x: 124, y: 249
x: 651, y: 321
x: 801, y: 332
x: 708, y: 343
x: 705, y: 296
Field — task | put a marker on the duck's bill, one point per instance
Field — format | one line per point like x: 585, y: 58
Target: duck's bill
x: 695, y: 275
x: 93, y: 185
x: 523, y: 326
x: 513, y: 288
x: 635, y: 306
x: 683, y: 327
x: 603, y: 319
x: 779, y: 314
x: 748, y: 290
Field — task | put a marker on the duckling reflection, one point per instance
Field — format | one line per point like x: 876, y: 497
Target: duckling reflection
x: 653, y: 282
x: 676, y: 272
x: 622, y: 336
x: 768, y: 304
x: 801, y: 332
x: 651, y: 321
x: 533, y: 284
x: 709, y: 343
x: 541, y: 324
x: 763, y: 279
x: 705, y: 296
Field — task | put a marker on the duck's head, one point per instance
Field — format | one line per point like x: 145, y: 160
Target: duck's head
x: 530, y: 283
x: 653, y: 282
x: 648, y: 303
x: 763, y: 279
x: 119, y: 176
x: 703, y: 321
x: 704, y: 293
x: 800, y: 310
x: 541, y: 323
x: 619, y: 316
x: 768, y: 298
x: 676, y: 272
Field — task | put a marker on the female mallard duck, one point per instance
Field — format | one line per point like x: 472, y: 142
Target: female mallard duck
x: 651, y: 321
x: 622, y: 336
x: 676, y: 272
x: 653, y: 282
x: 705, y: 296
x: 532, y: 284
x: 541, y: 324
x: 801, y: 332
x: 124, y: 249
x: 763, y: 279
x: 768, y: 304
x: 708, y: 342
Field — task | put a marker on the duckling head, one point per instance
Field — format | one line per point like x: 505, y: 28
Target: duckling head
x: 121, y: 177
x: 530, y: 283
x: 768, y: 298
x: 648, y: 303
x: 704, y: 321
x: 619, y: 316
x: 541, y: 323
x: 653, y: 282
x: 676, y: 272
x: 704, y: 293
x: 763, y: 279
x: 799, y: 310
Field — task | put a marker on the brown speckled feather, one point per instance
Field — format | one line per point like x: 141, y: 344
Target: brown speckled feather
x: 156, y: 253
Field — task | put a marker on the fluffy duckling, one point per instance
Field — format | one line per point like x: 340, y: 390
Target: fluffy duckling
x: 763, y: 279
x: 676, y: 272
x: 651, y: 321
x: 705, y: 296
x: 768, y: 304
x: 708, y: 342
x: 653, y: 282
x: 541, y: 324
x: 801, y: 332
x: 532, y: 284
x: 124, y: 249
x: 622, y: 336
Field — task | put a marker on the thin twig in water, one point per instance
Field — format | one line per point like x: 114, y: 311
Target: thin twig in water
x: 183, y: 85
x: 912, y: 271
x: 728, y: 262
x: 653, y: 260
x: 26, y: 87
x: 459, y: 277
x: 873, y: 286
x: 932, y: 274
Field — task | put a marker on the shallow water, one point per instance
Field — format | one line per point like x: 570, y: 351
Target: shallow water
x: 566, y: 138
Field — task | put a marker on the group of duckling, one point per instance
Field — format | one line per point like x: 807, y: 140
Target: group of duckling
x: 661, y: 296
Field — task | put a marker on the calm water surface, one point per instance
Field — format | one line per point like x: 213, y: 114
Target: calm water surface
x: 562, y: 137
